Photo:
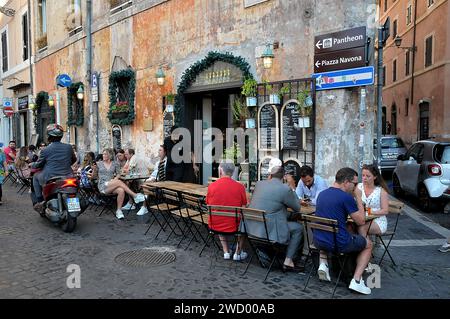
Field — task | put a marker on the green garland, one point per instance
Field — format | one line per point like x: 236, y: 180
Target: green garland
x: 190, y: 75
x: 71, y: 94
x: 41, y: 97
x: 114, y: 79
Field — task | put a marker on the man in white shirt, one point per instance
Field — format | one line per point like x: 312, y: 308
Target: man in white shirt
x: 159, y: 173
x: 309, y: 186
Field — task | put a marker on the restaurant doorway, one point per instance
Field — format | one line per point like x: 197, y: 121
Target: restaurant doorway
x: 214, y: 110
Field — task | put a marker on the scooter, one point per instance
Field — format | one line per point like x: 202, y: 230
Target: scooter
x: 62, y: 202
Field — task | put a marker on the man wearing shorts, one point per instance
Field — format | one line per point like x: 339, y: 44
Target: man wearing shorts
x: 338, y: 202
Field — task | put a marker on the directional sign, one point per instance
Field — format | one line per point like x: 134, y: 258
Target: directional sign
x: 63, y: 80
x: 340, y: 40
x: 344, y: 59
x: 344, y: 78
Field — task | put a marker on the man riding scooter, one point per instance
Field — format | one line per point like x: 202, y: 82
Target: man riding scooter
x: 55, y: 160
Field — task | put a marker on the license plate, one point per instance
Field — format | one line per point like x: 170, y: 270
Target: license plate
x: 73, y: 204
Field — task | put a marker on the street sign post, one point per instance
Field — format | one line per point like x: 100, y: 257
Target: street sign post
x: 341, y: 40
x: 63, y: 80
x: 94, y: 87
x: 344, y: 78
x: 8, y: 111
x: 338, y: 60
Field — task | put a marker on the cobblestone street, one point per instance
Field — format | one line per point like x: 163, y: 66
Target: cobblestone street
x: 35, y: 256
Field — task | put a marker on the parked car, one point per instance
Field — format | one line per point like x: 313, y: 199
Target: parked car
x: 391, y: 147
x: 424, y: 171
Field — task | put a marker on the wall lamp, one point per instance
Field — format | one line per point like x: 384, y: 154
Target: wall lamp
x: 268, y: 56
x: 80, y: 92
x: 50, y: 102
x: 398, y: 43
x: 160, y: 77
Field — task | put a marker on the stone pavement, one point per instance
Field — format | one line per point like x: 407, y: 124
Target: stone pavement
x: 34, y: 257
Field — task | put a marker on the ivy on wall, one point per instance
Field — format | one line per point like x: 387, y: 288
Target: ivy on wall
x: 124, y: 76
x: 41, y: 98
x: 190, y: 75
x: 71, y: 98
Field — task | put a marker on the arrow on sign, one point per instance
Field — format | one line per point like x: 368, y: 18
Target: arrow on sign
x: 317, y: 64
x: 319, y: 44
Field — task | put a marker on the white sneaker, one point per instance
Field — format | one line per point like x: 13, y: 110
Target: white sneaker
x: 226, y: 256
x: 361, y: 287
x: 119, y: 214
x: 445, y: 248
x: 323, y: 272
x: 139, y: 198
x: 142, y: 211
x: 128, y: 206
x: 241, y: 256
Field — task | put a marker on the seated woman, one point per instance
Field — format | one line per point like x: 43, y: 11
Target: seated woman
x: 374, y: 195
x: 87, y: 170
x: 22, y: 163
x: 108, y: 183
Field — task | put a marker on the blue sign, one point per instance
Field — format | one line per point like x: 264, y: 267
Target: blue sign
x: 344, y: 78
x: 63, y: 80
x: 94, y: 80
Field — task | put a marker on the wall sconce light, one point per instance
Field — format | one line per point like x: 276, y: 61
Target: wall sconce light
x: 268, y: 56
x: 51, y: 102
x: 160, y: 76
x: 398, y: 43
x: 31, y: 102
x: 80, y: 92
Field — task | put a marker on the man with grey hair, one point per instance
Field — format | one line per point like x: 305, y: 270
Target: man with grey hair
x: 227, y: 192
x: 274, y: 197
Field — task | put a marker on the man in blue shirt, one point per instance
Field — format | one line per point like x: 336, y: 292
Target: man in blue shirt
x: 338, y: 202
x: 309, y: 186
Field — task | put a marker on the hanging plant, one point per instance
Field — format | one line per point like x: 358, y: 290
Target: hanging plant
x: 71, y: 96
x: 194, y: 70
x: 114, y: 79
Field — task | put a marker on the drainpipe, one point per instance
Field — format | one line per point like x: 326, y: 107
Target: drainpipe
x: 413, y: 53
x: 89, y: 62
x: 30, y: 52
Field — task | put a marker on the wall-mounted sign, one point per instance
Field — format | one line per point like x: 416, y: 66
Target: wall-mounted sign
x: 263, y: 168
x: 341, y: 40
x: 292, y: 167
x: 344, y: 78
x: 345, y: 59
x: 94, y: 87
x: 168, y: 122
x: 116, y: 133
x: 268, y: 139
x: 63, y: 80
x: 291, y: 133
x: 22, y: 103
x: 220, y: 74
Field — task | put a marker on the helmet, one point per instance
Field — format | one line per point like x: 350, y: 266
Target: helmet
x: 55, y: 130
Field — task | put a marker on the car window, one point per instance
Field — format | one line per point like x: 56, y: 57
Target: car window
x: 443, y: 154
x: 392, y: 143
x: 416, y: 152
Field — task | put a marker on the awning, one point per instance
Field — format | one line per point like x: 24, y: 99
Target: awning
x: 19, y: 86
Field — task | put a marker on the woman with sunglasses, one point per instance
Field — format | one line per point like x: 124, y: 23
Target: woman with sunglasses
x: 373, y: 192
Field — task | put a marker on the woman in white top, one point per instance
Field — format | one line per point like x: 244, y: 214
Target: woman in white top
x: 373, y: 193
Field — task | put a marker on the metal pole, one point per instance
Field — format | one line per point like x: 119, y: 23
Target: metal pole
x: 362, y: 128
x: 379, y: 92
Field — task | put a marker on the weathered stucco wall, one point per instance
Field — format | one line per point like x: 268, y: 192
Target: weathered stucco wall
x: 177, y: 33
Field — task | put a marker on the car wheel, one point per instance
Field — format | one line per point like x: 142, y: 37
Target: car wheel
x: 426, y: 203
x: 398, y: 191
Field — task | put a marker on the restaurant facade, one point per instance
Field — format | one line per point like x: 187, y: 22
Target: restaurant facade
x: 151, y: 64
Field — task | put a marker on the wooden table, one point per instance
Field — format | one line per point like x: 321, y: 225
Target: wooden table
x: 130, y: 178
x: 190, y: 188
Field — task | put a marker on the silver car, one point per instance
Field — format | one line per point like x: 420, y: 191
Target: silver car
x: 391, y: 147
x: 424, y: 171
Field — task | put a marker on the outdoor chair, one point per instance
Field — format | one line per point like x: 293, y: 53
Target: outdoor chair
x: 168, y: 208
x: 196, y: 211
x: 275, y: 249
x: 153, y: 201
x: 106, y: 201
x: 12, y: 177
x: 215, y: 212
x: 328, y: 225
x: 395, y: 207
x: 24, y: 181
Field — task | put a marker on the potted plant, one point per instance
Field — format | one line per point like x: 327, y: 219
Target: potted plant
x: 274, y: 94
x: 120, y: 110
x: 249, y: 89
x: 233, y: 154
x: 240, y: 113
x: 304, y: 107
x: 285, y: 90
x: 170, y: 99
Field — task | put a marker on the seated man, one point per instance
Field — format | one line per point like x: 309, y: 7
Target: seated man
x: 227, y: 192
x: 338, y: 202
x: 309, y: 186
x: 274, y: 197
x: 159, y: 173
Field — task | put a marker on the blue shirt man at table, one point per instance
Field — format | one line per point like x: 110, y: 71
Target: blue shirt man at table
x: 309, y: 186
x: 338, y: 202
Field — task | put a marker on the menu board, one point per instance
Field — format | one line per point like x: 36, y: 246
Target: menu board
x: 291, y: 134
x: 268, y: 127
x: 292, y: 167
x: 263, y: 171
x: 168, y: 122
